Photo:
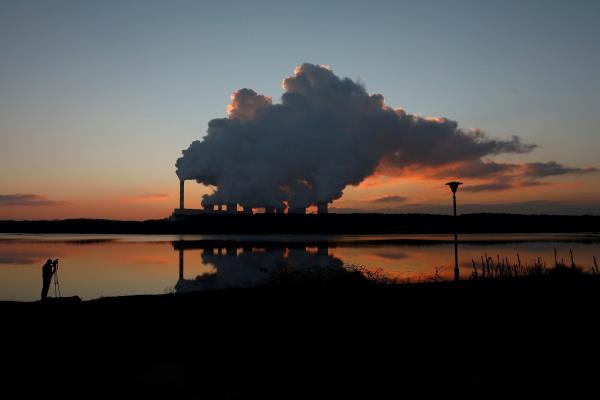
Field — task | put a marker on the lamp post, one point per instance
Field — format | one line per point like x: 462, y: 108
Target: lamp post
x: 454, y: 187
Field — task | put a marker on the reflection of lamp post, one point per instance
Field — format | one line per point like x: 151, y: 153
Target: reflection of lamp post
x: 454, y: 187
x: 181, y: 262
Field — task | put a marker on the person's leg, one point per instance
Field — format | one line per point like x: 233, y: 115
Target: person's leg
x: 45, y: 288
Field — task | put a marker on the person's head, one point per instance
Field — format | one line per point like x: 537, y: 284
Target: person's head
x: 48, y: 261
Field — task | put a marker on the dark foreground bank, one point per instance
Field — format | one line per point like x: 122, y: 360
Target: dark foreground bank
x: 318, y: 224
x: 313, y: 340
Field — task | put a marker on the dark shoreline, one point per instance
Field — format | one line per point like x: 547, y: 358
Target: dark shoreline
x: 334, y: 241
x: 318, y: 224
x: 314, y: 341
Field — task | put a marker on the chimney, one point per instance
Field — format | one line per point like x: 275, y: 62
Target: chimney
x: 231, y: 208
x: 322, y: 207
x: 181, y: 193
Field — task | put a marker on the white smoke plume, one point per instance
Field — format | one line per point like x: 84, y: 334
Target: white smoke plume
x: 327, y: 133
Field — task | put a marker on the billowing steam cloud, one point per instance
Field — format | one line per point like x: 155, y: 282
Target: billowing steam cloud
x: 326, y: 134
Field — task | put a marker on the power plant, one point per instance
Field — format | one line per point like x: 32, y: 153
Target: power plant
x: 326, y: 134
x: 232, y: 208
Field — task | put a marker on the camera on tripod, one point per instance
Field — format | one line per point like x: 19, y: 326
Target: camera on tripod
x: 55, y: 276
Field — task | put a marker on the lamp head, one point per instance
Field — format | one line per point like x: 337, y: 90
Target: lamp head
x: 454, y: 185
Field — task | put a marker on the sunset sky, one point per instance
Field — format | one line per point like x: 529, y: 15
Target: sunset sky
x: 98, y: 99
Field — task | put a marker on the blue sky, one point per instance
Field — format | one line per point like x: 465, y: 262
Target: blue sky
x: 103, y: 96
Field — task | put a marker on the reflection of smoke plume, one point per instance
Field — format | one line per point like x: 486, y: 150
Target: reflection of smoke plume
x: 327, y: 133
x: 253, y: 267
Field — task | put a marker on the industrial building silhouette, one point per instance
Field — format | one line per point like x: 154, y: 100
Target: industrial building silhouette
x: 232, y: 208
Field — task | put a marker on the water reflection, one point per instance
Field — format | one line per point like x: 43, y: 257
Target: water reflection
x: 93, y: 266
x: 236, y: 265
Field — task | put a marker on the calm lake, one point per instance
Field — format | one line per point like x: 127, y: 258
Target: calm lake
x: 93, y: 266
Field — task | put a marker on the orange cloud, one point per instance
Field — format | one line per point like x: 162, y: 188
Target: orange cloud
x: 149, y: 197
x: 27, y: 200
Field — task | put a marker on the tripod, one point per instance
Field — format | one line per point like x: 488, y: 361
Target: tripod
x: 56, y: 283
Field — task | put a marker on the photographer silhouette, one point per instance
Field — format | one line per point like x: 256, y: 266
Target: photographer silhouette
x: 48, y: 271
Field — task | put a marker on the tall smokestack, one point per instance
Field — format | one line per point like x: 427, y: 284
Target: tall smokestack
x: 322, y: 207
x: 181, y: 193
